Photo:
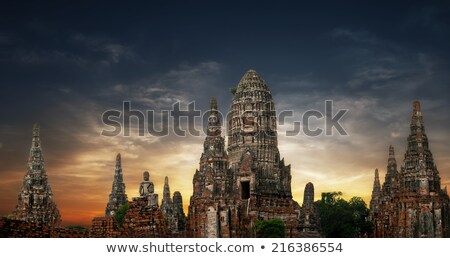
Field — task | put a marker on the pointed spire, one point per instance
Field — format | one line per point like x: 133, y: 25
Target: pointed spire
x: 214, y: 124
x: 213, y: 103
x: 308, y: 196
x: 376, y: 194
x: 118, y: 196
x: 35, y: 202
x: 178, y: 211
x: 391, y: 152
x: 392, y: 162
x: 166, y: 203
x: 376, y: 183
x: 417, y: 125
x: 416, y: 108
x: 390, y: 180
x: 35, y: 156
x: 36, y: 139
x: 118, y: 161
x: 166, y: 192
x: 418, y: 161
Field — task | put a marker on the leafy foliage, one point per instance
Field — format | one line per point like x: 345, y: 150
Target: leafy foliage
x: 120, y: 214
x: 270, y: 228
x: 339, y: 218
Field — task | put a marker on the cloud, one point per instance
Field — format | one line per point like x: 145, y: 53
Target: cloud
x: 364, y: 38
x: 45, y: 57
x: 184, y: 84
x: 81, y: 50
x: 356, y: 36
x: 372, y: 75
x: 112, y: 51
x: 377, y: 85
x: 428, y: 17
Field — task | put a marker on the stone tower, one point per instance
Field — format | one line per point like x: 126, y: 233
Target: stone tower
x: 248, y: 181
x: 260, y: 179
x: 35, y: 203
x: 309, y: 216
x: 419, y: 173
x: 211, y: 185
x: 214, y: 159
x: 390, y: 185
x: 308, y: 196
x: 376, y: 194
x: 412, y: 203
x: 166, y: 202
x: 178, y: 212
x: 252, y: 141
x: 118, y: 196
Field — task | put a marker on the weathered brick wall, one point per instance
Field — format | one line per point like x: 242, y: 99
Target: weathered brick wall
x: 104, y: 227
x: 138, y: 222
x: 18, y: 228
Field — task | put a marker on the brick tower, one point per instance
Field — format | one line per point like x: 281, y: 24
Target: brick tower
x: 412, y: 203
x: 118, y: 196
x: 234, y: 188
x: 35, y: 203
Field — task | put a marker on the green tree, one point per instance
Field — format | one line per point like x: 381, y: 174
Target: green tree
x: 339, y: 218
x: 270, y: 228
x: 360, y: 214
x: 120, y: 214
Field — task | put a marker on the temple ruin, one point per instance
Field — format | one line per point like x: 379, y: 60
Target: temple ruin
x: 411, y: 202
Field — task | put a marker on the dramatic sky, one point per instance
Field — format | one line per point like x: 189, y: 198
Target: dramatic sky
x: 64, y: 63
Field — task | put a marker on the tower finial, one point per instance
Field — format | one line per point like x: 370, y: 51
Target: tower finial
x: 416, y: 106
x: 213, y: 119
x: 391, y: 152
x: 417, y: 114
x: 417, y: 124
x: 36, y: 129
x: 213, y: 103
x: 36, y: 133
x: 376, y: 185
x: 166, y: 203
x: 308, y: 196
x: 118, y: 159
x: 118, y: 196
